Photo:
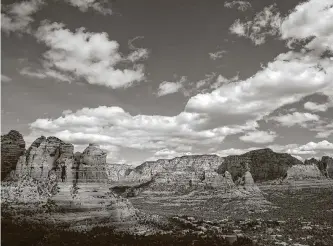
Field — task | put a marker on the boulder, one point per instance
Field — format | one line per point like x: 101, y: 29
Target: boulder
x: 12, y: 147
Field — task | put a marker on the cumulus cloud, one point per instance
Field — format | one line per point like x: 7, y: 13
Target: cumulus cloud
x: 311, y: 19
x: 259, y: 137
x: 17, y: 17
x: 5, y: 78
x: 311, y: 148
x: 295, y: 118
x: 312, y: 106
x: 87, y: 55
x: 114, y: 126
x: 240, y: 5
x: 217, y: 55
x: 166, y: 87
x: 266, y: 23
x: 85, y: 5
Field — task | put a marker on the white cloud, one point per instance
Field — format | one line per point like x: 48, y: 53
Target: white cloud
x: 89, y: 55
x: 217, y: 55
x: 166, y: 87
x: 295, y: 118
x: 47, y: 72
x: 311, y: 19
x: 266, y: 23
x: 259, y: 137
x: 85, y: 5
x: 5, y: 78
x: 310, y: 148
x: 113, y: 126
x: 17, y: 17
x: 241, y: 5
x: 312, y: 106
x: 285, y: 80
x: 233, y: 151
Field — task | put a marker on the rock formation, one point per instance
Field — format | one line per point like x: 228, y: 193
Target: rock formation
x: 44, y: 155
x: 303, y: 172
x: 325, y: 165
x: 91, y: 165
x: 265, y: 164
x: 12, y: 147
x: 116, y: 172
x: 194, y: 168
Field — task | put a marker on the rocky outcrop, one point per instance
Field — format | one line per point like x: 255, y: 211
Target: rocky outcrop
x: 12, y: 147
x: 91, y: 165
x: 303, y: 172
x: 44, y: 155
x: 265, y: 164
x: 117, y: 172
x: 325, y: 165
x: 194, y: 168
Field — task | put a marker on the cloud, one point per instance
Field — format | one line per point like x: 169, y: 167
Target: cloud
x: 233, y: 151
x: 241, y: 5
x: 113, y: 126
x: 295, y: 118
x: 217, y: 55
x: 266, y: 23
x: 311, y: 148
x: 166, y: 87
x: 5, y: 78
x: 312, y: 106
x: 323, y: 130
x: 85, y: 5
x: 47, y: 72
x: 87, y: 55
x: 17, y: 17
x: 259, y: 137
x: 311, y: 19
x: 285, y: 80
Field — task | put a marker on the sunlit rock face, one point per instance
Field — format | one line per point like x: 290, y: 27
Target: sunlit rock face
x: 265, y: 164
x: 303, y: 172
x: 44, y: 155
x: 12, y: 147
x: 194, y: 167
x: 91, y: 165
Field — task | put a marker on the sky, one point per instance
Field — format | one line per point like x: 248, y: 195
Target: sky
x: 152, y: 79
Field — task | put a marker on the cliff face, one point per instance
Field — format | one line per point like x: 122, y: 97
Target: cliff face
x: 91, y: 165
x: 264, y: 164
x: 12, y: 147
x: 44, y: 155
x: 188, y: 168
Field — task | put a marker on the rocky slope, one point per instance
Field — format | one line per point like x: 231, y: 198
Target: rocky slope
x: 265, y: 164
x: 12, y: 147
